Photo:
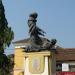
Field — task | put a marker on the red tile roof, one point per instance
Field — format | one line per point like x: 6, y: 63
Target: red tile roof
x: 66, y: 54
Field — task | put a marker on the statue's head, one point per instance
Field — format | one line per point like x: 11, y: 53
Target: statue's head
x: 33, y: 16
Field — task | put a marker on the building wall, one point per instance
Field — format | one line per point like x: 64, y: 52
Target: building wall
x: 70, y: 65
x: 19, y: 58
x: 18, y: 61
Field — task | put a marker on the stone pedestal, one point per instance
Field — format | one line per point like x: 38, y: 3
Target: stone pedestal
x: 40, y: 63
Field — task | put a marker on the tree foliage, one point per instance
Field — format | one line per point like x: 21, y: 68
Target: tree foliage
x: 6, y: 33
x: 6, y: 36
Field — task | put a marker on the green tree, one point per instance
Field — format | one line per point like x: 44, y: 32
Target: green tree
x: 6, y: 36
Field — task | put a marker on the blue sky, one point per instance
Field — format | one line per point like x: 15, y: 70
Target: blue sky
x: 56, y: 18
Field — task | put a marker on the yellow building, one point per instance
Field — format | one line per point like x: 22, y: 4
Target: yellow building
x: 19, y: 56
x: 46, y: 60
x: 18, y: 60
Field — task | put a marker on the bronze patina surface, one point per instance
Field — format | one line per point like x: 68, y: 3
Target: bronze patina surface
x: 37, y: 41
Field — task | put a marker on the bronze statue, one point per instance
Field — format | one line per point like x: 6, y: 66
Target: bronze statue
x: 37, y: 42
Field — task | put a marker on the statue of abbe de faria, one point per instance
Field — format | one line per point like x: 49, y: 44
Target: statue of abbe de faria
x: 37, y: 41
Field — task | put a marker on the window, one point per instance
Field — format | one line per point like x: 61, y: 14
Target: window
x: 58, y: 67
x: 72, y: 68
